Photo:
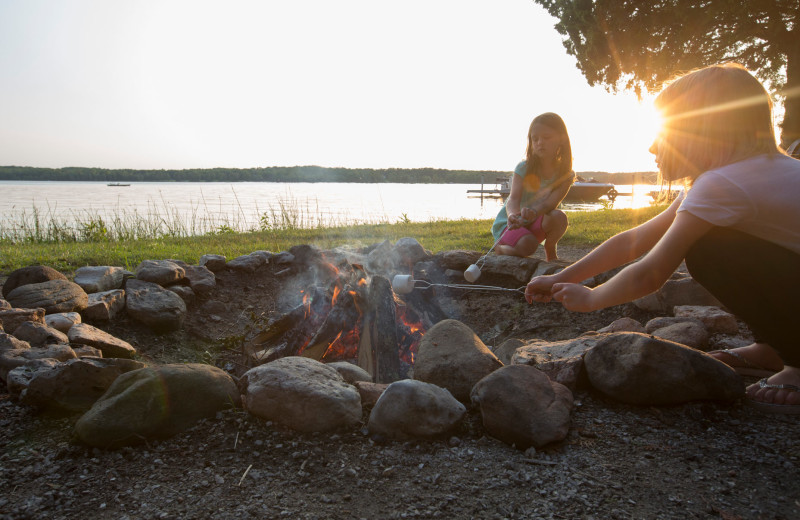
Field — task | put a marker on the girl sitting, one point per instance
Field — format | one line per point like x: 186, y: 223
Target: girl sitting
x: 538, y: 185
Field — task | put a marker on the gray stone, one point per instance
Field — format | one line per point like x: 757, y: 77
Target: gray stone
x: 451, y: 356
x: 300, y: 393
x: 29, y: 275
x: 10, y: 359
x: 52, y: 296
x: 715, y: 319
x: 412, y: 409
x: 410, y: 251
x: 247, y: 263
x: 99, y: 278
x: 186, y: 293
x: 690, y: 333
x: 155, y: 403
x: 201, y: 280
x: 104, y: 306
x: 9, y: 342
x: 161, y: 272
x: 13, y: 318
x: 213, y: 263
x: 18, y: 378
x: 110, y: 346
x: 505, y: 352
x: 4, y: 305
x: 75, y: 385
x: 350, y: 372
x: 62, y: 320
x: 639, y: 369
x: 39, y: 334
x: 83, y: 351
x: 665, y: 321
x: 561, y: 361
x: 156, y: 307
x: 624, y: 324
x: 677, y: 291
x: 521, y: 406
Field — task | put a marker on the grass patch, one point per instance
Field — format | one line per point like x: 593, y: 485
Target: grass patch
x: 586, y: 228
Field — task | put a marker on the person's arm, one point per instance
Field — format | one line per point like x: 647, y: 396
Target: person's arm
x: 617, y: 250
x: 641, y: 278
x: 513, y: 203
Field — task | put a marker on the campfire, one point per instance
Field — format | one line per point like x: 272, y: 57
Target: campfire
x: 345, y: 314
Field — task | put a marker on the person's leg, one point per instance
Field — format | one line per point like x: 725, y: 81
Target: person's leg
x: 517, y: 242
x: 554, y: 225
x: 759, y: 282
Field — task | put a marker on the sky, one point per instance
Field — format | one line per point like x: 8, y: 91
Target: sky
x: 177, y: 84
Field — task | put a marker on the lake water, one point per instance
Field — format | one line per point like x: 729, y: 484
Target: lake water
x: 241, y: 206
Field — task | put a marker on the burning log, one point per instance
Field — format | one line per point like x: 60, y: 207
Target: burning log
x: 343, y: 318
x: 378, y: 351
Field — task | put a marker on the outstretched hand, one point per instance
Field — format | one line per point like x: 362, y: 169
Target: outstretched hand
x: 539, y: 289
x: 573, y: 296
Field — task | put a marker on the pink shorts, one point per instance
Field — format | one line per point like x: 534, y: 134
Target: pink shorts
x: 510, y: 237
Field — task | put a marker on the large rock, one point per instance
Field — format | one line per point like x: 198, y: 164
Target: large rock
x: 350, y: 373
x: 409, y: 409
x: 52, y: 296
x: 154, y: 403
x: 624, y: 324
x: 521, y: 406
x: 161, y: 272
x: 156, y: 307
x: 39, y: 334
x: 201, y: 280
x: 29, y: 275
x: 213, y: 263
x: 104, y: 306
x: 62, y: 321
x: 13, y: 318
x: 410, y: 251
x: 679, y: 291
x: 562, y: 361
x: 451, y: 356
x: 505, y: 352
x: 9, y: 342
x: 110, y: 346
x: 715, y: 319
x: 640, y: 369
x: 300, y: 393
x: 690, y: 333
x: 11, y: 359
x: 247, y: 263
x: 74, y: 385
x: 99, y: 278
x: 20, y: 377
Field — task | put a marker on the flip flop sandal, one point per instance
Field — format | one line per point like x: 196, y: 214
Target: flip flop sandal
x: 746, y: 368
x: 789, y: 409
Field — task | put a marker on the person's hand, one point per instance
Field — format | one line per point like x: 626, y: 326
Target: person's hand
x: 514, y: 221
x: 573, y: 296
x: 528, y: 216
x: 539, y: 289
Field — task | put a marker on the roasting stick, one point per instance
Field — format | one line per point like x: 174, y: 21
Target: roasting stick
x: 405, y: 283
x: 473, y: 272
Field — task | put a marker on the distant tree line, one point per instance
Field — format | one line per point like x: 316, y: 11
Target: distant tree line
x: 271, y: 174
x: 285, y: 174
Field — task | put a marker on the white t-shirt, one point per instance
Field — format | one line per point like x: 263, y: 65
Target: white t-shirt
x: 759, y: 196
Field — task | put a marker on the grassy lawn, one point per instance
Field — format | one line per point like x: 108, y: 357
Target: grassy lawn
x: 586, y: 228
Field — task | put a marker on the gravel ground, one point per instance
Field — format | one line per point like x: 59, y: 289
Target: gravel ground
x: 699, y: 460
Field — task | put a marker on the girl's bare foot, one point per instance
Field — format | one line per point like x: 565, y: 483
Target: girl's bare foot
x: 752, y: 358
x: 789, y: 377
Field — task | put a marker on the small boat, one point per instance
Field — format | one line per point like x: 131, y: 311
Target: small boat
x: 117, y: 184
x: 590, y: 191
x: 580, y: 191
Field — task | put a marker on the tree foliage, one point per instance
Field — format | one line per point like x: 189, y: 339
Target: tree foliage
x: 639, y: 44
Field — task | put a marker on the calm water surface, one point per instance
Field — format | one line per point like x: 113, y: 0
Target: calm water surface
x: 242, y: 205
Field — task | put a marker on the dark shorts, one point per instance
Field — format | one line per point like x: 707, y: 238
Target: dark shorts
x: 510, y: 237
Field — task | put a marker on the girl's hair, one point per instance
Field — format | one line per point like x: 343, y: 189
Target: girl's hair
x: 714, y: 116
x: 564, y: 154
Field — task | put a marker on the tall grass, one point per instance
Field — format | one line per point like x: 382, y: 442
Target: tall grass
x: 128, y: 238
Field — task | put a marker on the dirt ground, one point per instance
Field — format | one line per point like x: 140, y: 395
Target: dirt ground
x: 699, y: 460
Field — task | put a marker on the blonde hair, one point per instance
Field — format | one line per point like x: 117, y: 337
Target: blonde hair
x: 714, y: 116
